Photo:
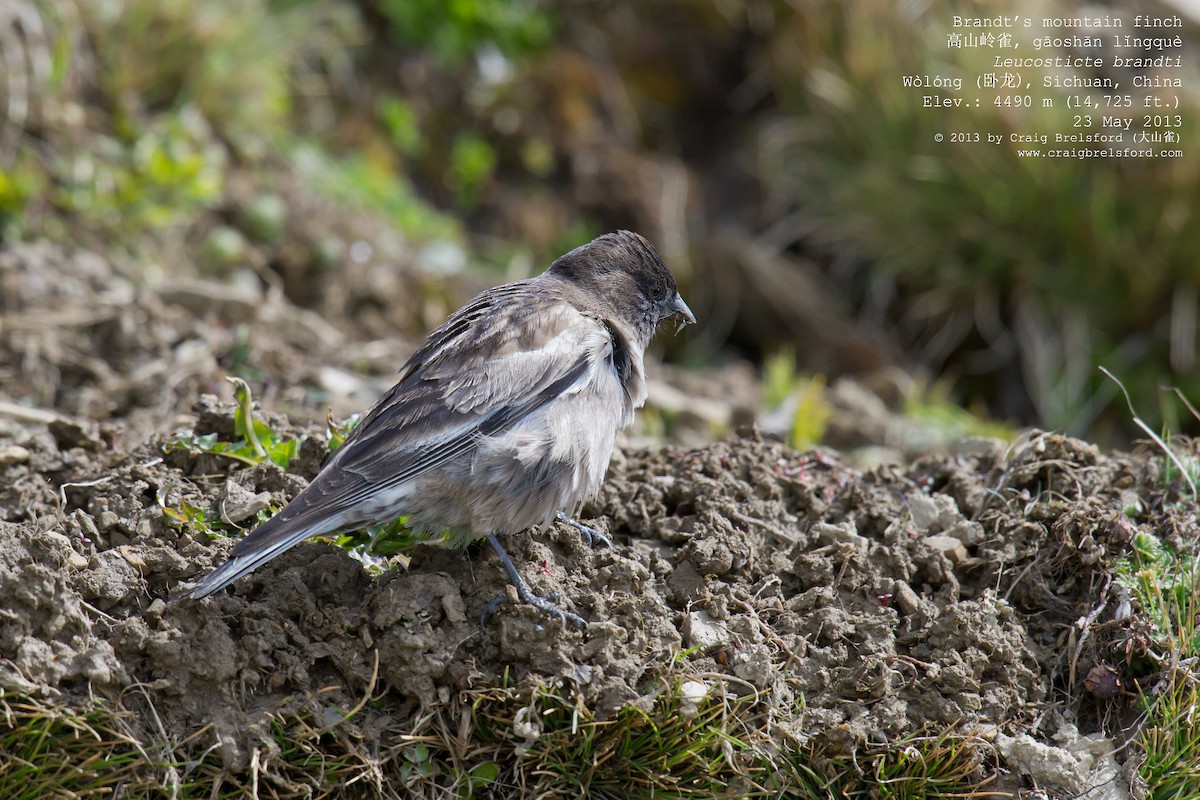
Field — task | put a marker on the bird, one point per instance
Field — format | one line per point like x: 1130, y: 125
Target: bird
x: 504, y: 418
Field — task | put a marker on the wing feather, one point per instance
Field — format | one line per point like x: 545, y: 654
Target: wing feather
x: 500, y: 358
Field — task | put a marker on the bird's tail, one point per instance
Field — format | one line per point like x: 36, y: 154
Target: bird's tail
x: 273, y: 538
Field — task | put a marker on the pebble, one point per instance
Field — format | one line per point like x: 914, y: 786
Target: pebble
x: 13, y: 454
x: 948, y: 546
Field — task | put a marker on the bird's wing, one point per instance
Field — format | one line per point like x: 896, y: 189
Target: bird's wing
x: 497, y: 360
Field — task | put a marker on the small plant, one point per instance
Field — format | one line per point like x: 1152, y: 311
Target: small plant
x: 257, y: 442
x: 932, y: 406
x: 18, y: 182
x: 455, y: 31
x: 358, y: 182
x: 187, y: 513
x: 1170, y: 740
x: 401, y: 124
x: 1187, y: 470
x: 1165, y: 587
x: 338, y: 431
x: 801, y: 399
x: 472, y: 161
x: 376, y: 545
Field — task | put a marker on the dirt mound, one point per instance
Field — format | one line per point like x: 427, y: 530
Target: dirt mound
x: 855, y: 608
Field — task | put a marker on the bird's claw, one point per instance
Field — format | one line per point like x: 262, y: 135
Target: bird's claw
x: 589, y: 534
x: 543, y: 603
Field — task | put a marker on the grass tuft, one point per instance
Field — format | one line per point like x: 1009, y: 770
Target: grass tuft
x: 695, y: 739
x: 50, y: 751
x: 1170, y: 740
x: 1186, y: 471
x: 1165, y: 589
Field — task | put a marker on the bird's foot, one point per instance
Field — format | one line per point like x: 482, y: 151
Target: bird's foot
x: 545, y: 604
x: 589, y: 534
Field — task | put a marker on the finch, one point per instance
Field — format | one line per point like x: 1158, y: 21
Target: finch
x: 504, y: 418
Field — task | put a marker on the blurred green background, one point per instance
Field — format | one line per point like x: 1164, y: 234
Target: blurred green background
x: 769, y: 148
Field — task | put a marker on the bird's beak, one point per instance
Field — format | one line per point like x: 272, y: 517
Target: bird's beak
x: 680, y: 309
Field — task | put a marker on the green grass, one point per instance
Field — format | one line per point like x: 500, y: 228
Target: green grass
x: 97, y: 751
x: 491, y: 741
x: 47, y: 751
x: 804, y: 396
x: 724, y: 746
x: 936, y: 411
x: 930, y: 408
x: 1170, y: 740
x: 1164, y: 643
x: 919, y: 767
x: 1168, y: 592
x: 370, y: 182
x: 179, y: 104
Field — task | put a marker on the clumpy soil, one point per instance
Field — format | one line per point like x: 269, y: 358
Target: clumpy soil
x: 861, y: 607
x: 965, y: 592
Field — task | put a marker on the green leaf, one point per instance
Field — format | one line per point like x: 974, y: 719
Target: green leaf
x: 244, y: 423
x: 282, y: 452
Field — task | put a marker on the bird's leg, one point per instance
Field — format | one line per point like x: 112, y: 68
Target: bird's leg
x: 589, y: 534
x: 524, y: 592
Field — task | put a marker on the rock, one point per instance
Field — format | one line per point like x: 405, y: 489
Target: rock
x: 967, y: 532
x: 238, y: 503
x: 691, y: 694
x: 686, y: 583
x: 754, y: 664
x: 109, y: 579
x: 70, y: 433
x: 845, y: 533
x: 905, y: 598
x: 701, y: 631
x: 933, y: 513
x: 1084, y: 766
x: 13, y: 454
x: 948, y: 546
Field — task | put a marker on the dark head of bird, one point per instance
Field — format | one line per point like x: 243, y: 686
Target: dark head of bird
x: 625, y: 275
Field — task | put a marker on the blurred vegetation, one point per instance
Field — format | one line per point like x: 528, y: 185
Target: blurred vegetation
x: 154, y: 114
x: 274, y: 134
x: 1012, y: 273
x: 147, y: 105
x: 457, y: 29
x: 798, y: 399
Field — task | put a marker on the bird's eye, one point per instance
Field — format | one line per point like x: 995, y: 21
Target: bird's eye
x: 658, y: 291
